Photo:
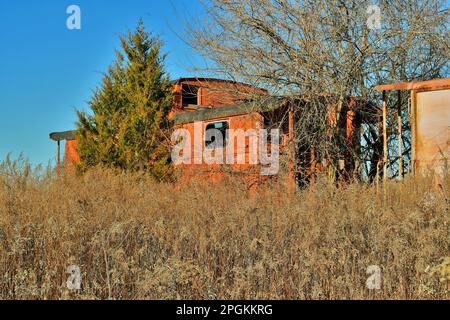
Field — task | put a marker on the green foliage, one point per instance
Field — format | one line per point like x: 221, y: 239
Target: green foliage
x: 128, y: 127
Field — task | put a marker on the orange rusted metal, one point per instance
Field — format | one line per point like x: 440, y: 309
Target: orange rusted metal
x: 224, y: 96
x: 211, y: 93
x: 71, y: 157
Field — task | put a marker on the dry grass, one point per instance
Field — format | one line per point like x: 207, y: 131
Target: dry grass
x: 135, y: 239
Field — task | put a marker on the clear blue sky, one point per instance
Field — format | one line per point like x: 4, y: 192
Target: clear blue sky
x: 48, y: 71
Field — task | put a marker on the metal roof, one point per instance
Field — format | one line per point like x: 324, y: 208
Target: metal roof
x: 203, y: 79
x: 222, y: 112
x: 201, y: 115
x: 66, y: 135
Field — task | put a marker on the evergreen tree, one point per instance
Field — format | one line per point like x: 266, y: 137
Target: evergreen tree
x: 128, y: 127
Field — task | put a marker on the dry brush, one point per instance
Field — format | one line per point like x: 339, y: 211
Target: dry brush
x: 137, y: 239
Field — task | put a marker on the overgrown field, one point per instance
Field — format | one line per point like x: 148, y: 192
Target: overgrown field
x: 136, y: 239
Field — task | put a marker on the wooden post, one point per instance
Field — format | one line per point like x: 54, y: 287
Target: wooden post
x: 312, y: 164
x: 400, y: 139
x: 413, y: 131
x: 291, y: 151
x: 58, y: 158
x: 383, y: 110
x: 377, y: 180
x: 200, y: 97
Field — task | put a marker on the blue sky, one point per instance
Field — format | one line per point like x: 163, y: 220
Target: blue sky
x: 48, y: 71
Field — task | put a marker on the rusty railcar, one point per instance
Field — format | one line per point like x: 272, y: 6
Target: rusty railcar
x: 208, y: 102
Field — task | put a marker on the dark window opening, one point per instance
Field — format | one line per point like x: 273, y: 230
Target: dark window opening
x: 268, y: 126
x: 216, y: 134
x: 189, y: 95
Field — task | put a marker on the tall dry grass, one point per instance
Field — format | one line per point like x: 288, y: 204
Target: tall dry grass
x: 136, y: 239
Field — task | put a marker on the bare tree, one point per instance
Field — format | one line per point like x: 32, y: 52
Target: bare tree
x: 319, y: 52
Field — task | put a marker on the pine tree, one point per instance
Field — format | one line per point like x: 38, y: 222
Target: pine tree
x: 128, y: 127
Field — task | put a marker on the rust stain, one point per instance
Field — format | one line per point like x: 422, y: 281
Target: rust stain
x: 71, y: 157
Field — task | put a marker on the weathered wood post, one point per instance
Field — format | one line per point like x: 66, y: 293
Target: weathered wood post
x: 413, y: 122
x: 291, y: 152
x: 384, y: 114
x: 58, y: 158
x: 400, y: 138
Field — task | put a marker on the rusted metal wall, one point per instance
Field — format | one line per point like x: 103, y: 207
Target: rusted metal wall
x: 432, y: 130
x: 71, y: 157
x: 215, y: 172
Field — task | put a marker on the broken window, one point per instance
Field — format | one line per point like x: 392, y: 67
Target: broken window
x: 216, y: 134
x: 268, y: 126
x: 189, y: 95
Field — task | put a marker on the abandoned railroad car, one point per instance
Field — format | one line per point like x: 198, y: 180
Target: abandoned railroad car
x: 205, y: 103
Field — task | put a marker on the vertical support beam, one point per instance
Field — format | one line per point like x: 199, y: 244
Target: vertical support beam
x: 413, y: 131
x: 312, y: 165
x: 58, y: 158
x: 291, y: 151
x: 200, y: 97
x: 379, y: 145
x: 384, y: 114
x: 400, y: 139
x: 377, y: 181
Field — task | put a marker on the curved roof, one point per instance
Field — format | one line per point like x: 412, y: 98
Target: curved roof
x: 59, y: 136
x: 229, y: 111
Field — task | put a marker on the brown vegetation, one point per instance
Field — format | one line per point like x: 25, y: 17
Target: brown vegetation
x: 137, y: 239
